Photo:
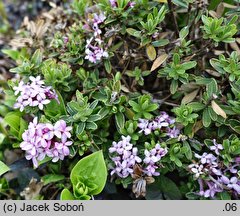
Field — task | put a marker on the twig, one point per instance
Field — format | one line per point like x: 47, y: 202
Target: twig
x: 54, y: 194
x: 174, y: 17
x: 218, y: 183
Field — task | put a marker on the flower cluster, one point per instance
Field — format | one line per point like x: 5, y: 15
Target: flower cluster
x: 161, y: 122
x: 125, y: 157
x: 152, y: 157
x: 213, y: 177
x: 94, y: 48
x: 114, y: 4
x: 44, y: 139
x: 33, y: 94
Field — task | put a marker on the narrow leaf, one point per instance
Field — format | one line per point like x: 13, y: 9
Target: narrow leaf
x: 190, y: 97
x: 159, y: 60
x: 217, y: 109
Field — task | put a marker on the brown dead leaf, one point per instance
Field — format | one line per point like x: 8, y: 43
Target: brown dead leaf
x: 189, y: 97
x: 33, y: 189
x: 235, y: 47
x: 217, y: 109
x: 226, y: 5
x: 151, y: 52
x: 220, y: 10
x: 218, y: 52
x: 213, y: 14
x: 41, y: 28
x: 158, y: 61
x: 189, y: 87
x: 52, y: 4
x: 32, y: 28
x: 21, y: 42
x: 163, y: 35
x: 238, y: 40
x: 213, y: 73
x: 189, y: 58
x: 48, y: 16
x: 197, y: 126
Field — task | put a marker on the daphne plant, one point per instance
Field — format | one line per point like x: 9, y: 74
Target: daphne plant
x: 185, y: 115
x: 219, y: 30
x: 122, y: 99
x: 176, y: 71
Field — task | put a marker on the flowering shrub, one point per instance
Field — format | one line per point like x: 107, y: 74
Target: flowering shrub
x: 123, y: 99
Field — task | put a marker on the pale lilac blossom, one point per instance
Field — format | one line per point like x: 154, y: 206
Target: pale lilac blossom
x: 216, y: 147
x: 126, y: 157
x: 232, y: 183
x: 163, y: 122
x: 94, y: 48
x: 152, y: 157
x: 40, y: 140
x: 196, y: 169
x: 33, y: 94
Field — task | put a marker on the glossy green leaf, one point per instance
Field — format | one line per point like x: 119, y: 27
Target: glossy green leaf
x: 66, y: 195
x: 3, y: 168
x: 92, y: 169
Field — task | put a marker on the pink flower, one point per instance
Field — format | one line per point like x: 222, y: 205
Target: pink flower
x: 113, y: 3
x: 41, y: 101
x: 126, y: 157
x: 61, y: 130
x: 64, y: 147
x: 19, y: 88
x: 33, y: 94
x: 40, y: 140
x: 94, y: 49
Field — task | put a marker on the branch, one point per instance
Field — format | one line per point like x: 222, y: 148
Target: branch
x: 170, y: 5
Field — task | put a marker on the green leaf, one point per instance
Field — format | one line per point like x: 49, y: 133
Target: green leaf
x: 22, y: 127
x: 55, y: 108
x: 153, y: 191
x: 160, y: 43
x: 80, y: 128
x: 91, y: 126
x: 196, y: 106
x: 13, y: 120
x: 133, y: 32
x: 3, y: 168
x: 189, y: 65
x: 188, y: 152
x: 103, y: 112
x: 206, y: 119
x: 66, y: 195
x: 212, y: 88
x: 212, y: 114
x: 50, y: 178
x: 151, y: 52
x: 135, y: 106
x: 13, y: 54
x: 93, y: 170
x: 16, y: 123
x: 225, y: 196
x: 94, y: 118
x: 180, y: 3
x: 169, y: 188
x: 120, y: 120
x: 184, y: 32
x: 173, y: 86
x: 107, y: 65
x: 37, y: 57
